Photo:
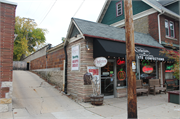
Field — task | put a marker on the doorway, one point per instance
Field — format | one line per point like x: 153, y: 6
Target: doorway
x: 107, y: 79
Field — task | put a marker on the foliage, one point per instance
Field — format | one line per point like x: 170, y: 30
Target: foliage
x: 175, y: 55
x: 63, y: 39
x: 29, y: 36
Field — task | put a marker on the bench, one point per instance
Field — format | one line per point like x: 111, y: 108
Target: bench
x: 155, y: 86
x: 171, y: 84
x: 140, y: 88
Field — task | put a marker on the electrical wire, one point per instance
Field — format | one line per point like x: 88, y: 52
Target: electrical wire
x: 48, y: 12
x: 79, y: 8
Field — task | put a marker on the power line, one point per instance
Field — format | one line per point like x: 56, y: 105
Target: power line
x: 48, y: 11
x: 79, y: 8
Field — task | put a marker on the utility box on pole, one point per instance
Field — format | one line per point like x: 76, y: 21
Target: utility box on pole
x: 131, y: 60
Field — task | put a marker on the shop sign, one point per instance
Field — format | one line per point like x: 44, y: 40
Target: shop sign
x: 145, y: 54
x: 147, y: 69
x: 100, y: 62
x: 119, y: 62
x: 75, y: 58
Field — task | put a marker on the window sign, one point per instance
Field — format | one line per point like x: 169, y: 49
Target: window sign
x: 75, y: 58
x: 121, y: 75
x: 119, y: 62
x: 147, y: 69
x: 169, y: 68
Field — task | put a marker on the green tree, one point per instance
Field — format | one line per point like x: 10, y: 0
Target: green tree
x: 29, y: 36
x: 175, y: 55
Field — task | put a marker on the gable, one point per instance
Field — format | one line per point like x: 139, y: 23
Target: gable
x: 110, y: 15
x: 174, y: 7
x: 74, y: 32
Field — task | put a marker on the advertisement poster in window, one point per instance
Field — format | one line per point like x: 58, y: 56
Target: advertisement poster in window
x: 75, y: 58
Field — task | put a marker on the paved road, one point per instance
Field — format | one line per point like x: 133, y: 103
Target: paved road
x: 34, y: 98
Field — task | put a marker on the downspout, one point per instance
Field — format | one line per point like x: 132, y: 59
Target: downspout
x: 159, y: 26
x: 159, y: 31
x: 66, y: 60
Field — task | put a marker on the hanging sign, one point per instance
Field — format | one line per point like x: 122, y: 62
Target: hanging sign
x: 100, y: 62
x: 75, y: 58
x: 119, y: 62
x: 147, y: 69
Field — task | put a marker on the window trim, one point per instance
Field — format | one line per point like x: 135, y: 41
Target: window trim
x: 169, y: 29
x: 120, y: 2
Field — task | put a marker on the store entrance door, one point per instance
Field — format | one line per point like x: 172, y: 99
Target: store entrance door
x: 107, y: 79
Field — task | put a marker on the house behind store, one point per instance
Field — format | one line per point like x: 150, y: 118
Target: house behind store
x: 154, y: 23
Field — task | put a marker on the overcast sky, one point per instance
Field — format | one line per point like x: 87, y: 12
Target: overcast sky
x: 58, y: 19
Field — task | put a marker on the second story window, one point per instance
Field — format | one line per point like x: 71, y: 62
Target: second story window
x: 119, y: 8
x: 169, y: 26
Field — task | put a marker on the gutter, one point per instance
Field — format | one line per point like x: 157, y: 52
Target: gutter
x: 159, y: 27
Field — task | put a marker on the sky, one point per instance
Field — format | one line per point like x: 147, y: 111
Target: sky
x: 58, y: 19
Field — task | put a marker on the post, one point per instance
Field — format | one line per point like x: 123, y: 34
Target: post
x: 130, y: 56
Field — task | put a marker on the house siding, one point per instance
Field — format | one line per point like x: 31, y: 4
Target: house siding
x: 110, y: 15
x: 7, y: 23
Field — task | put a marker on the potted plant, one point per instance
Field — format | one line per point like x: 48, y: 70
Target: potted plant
x: 96, y: 97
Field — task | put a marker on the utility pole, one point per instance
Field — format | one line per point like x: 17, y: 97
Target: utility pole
x: 130, y: 56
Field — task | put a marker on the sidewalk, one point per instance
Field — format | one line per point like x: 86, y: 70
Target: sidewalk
x: 149, y: 107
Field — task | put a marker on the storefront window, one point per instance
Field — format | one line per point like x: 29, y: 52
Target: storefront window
x: 121, y: 72
x: 147, y: 71
x: 169, y: 71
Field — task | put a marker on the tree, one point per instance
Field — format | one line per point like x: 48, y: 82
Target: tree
x: 175, y: 55
x: 29, y: 36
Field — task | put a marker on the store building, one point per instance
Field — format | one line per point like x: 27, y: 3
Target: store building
x: 87, y: 40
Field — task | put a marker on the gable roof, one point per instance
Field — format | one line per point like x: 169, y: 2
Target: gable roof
x: 153, y: 3
x: 102, y: 31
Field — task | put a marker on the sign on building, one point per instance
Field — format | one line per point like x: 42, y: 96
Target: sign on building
x: 75, y: 58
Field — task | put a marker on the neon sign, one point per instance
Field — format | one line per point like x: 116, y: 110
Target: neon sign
x: 169, y: 68
x: 121, y: 75
x: 119, y: 62
x: 147, y: 69
x: 145, y: 62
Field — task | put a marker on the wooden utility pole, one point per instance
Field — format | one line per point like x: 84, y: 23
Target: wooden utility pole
x: 130, y: 58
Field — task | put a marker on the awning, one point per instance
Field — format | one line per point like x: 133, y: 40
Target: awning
x: 104, y: 48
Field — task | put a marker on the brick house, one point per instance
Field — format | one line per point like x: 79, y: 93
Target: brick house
x: 158, y: 18
x: 7, y: 23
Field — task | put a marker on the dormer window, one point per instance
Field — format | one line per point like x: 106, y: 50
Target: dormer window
x: 119, y: 8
